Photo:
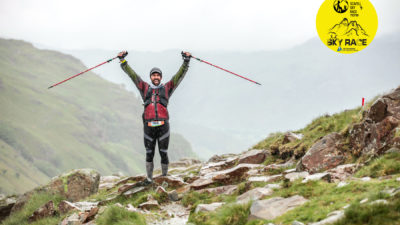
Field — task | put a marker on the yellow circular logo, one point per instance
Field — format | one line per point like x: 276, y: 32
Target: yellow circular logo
x: 347, y: 26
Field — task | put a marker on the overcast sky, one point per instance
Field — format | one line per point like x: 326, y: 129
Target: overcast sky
x: 156, y: 25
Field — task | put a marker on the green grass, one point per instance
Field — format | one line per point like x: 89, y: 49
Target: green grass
x: 339, y: 122
x: 194, y: 198
x: 323, y: 198
x: 319, y: 127
x: 37, y: 200
x: 234, y: 214
x: 120, y: 216
x: 375, y: 214
x: 385, y: 165
x: 326, y: 197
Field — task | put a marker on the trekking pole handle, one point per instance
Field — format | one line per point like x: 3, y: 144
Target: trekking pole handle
x: 184, y: 55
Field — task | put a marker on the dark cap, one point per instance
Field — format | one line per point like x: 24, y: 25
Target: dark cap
x: 155, y: 70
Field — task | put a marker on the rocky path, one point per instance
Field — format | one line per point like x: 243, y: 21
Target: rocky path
x: 176, y: 214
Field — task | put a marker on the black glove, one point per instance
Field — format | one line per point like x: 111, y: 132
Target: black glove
x: 185, y: 57
x: 122, y: 55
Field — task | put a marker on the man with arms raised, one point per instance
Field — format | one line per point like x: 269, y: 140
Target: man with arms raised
x: 155, y: 117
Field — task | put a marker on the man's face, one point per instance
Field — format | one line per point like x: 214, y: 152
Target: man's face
x: 155, y: 78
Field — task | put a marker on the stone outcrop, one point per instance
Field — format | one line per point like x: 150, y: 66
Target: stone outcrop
x: 376, y: 133
x: 254, y: 194
x: 296, y: 175
x: 223, y: 164
x: 253, y: 157
x: 172, y: 181
x: 6, y: 204
x: 274, y: 166
x: 271, y: 178
x: 126, y: 187
x: 150, y: 204
x: 80, y: 218
x: 184, y: 162
x: 133, y: 191
x: 173, y: 196
x: 324, y: 154
x: 317, y: 176
x: 342, y: 172
x: 46, y: 210
x: 133, y: 179
x: 236, y: 173
x: 331, y: 218
x: 271, y: 208
x: 108, y: 182
x: 228, y: 176
x: 66, y: 206
x: 76, y: 185
x: 218, y: 158
x: 201, y: 183
x: 22, y: 200
x: 86, y: 206
x: 74, y: 219
x: 226, y: 190
x: 208, y: 207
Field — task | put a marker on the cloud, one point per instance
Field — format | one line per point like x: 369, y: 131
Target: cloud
x: 158, y: 25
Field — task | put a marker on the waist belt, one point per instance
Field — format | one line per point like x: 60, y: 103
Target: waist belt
x: 155, y: 123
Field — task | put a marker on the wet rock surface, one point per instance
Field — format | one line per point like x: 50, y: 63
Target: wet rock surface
x: 317, y: 176
x: 150, y: 204
x: 223, y: 176
x: 227, y: 190
x: 271, y: 208
x: 324, y: 154
x: 253, y: 157
x: 46, y: 210
x: 131, y: 179
x: 272, y: 178
x: 254, y: 194
x: 66, y: 206
x: 332, y: 218
x: 208, y: 207
x: 172, y: 181
x: 375, y: 133
x: 185, y: 162
x: 342, y: 172
x: 296, y: 175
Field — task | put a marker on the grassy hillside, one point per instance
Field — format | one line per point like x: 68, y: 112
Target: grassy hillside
x: 318, y: 128
x: 87, y: 122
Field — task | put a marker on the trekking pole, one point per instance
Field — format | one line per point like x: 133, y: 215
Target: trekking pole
x: 200, y: 60
x: 82, y: 72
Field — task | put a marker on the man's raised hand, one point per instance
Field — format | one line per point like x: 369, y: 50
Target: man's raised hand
x: 122, y: 55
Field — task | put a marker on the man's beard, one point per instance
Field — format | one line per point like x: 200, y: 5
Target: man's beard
x: 158, y: 83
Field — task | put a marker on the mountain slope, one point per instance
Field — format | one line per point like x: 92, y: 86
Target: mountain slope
x: 87, y: 122
x: 340, y: 185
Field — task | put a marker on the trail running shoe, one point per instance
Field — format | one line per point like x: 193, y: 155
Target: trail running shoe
x: 146, y: 182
